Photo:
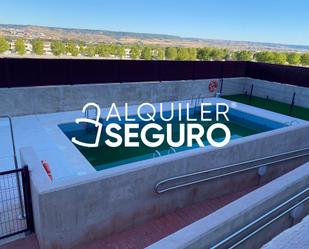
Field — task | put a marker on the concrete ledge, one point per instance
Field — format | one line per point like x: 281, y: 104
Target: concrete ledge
x: 39, y: 181
x: 39, y: 177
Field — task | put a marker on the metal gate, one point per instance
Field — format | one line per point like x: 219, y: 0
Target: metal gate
x: 15, y: 203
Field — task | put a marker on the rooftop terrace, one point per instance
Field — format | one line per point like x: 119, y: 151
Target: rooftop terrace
x: 199, y: 186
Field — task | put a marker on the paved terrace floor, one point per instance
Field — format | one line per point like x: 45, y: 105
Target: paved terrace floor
x: 145, y: 234
x: 295, y: 237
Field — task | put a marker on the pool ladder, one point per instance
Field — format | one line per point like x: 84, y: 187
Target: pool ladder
x: 87, y: 115
x: 158, y: 154
x: 87, y: 112
x: 171, y: 150
x: 293, y: 122
x: 196, y: 102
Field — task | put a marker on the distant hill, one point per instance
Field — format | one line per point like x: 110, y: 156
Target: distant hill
x: 96, y: 36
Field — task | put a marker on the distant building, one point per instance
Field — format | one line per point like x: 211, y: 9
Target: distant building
x: 127, y: 53
x: 47, y: 48
x: 12, y: 46
x: 28, y: 47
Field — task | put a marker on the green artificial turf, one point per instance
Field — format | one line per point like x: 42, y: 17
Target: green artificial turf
x: 268, y: 104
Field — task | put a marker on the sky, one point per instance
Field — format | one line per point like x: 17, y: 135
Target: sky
x: 278, y: 21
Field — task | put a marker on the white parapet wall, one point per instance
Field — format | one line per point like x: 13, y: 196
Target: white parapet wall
x: 72, y: 211
x: 278, y: 91
x: 47, y: 99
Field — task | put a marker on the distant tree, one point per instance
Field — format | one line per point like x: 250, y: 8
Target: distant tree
x: 171, y: 53
x: 135, y: 52
x: 113, y: 49
x: 204, y: 54
x: 218, y: 54
x: 103, y: 50
x: 265, y: 56
x: 305, y: 59
x: 20, y: 46
x: 293, y: 58
x: 271, y: 57
x: 81, y: 47
x: 38, y: 47
x: 234, y: 55
x: 4, y: 45
x: 243, y: 55
x: 146, y: 53
x: 58, y: 48
x: 120, y: 51
x: 71, y: 48
x: 192, y: 54
x: 227, y: 54
x: 279, y: 58
x: 90, y: 50
x: 98, y: 50
x: 160, y: 54
x: 183, y: 54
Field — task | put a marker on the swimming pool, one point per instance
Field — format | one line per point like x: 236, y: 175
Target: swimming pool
x: 241, y: 124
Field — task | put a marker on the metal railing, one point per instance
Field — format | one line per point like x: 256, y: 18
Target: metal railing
x: 10, y: 205
x: 230, y: 170
x: 12, y: 137
x: 15, y: 162
x: 289, y: 206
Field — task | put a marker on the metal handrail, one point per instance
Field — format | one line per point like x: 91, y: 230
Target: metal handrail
x: 12, y: 137
x: 231, y: 166
x: 15, y: 162
x: 221, y: 243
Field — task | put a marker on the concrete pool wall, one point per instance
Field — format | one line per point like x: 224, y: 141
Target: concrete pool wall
x: 46, y: 99
x: 49, y: 99
x: 73, y: 211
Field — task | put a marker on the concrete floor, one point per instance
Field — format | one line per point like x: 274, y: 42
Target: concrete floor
x: 295, y: 237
